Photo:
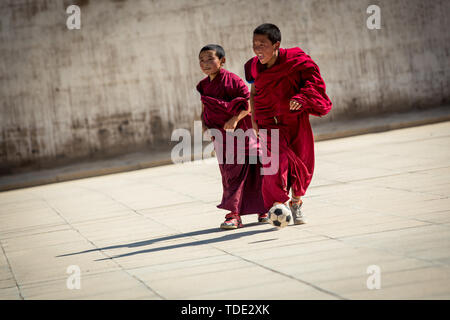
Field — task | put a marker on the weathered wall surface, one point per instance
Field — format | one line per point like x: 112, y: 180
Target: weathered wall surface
x: 127, y: 78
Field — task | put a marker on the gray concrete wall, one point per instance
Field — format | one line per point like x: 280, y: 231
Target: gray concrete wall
x: 127, y: 78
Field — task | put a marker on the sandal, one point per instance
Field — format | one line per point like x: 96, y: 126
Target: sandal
x: 263, y: 217
x: 232, y: 221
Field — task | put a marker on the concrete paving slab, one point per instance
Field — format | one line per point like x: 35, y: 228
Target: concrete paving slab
x: 419, y: 290
x: 275, y: 290
x: 10, y: 294
x: 106, y: 285
x: 153, y: 233
x: 192, y: 285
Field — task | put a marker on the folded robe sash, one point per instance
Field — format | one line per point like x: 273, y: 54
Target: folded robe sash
x: 217, y: 112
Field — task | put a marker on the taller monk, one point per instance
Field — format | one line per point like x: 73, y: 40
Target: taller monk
x: 286, y: 87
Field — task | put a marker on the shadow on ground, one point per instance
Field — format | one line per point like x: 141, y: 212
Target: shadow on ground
x: 229, y: 236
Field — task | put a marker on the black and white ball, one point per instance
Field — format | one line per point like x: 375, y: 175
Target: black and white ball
x: 280, y: 215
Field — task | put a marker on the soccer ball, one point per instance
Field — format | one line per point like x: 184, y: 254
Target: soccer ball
x: 280, y: 215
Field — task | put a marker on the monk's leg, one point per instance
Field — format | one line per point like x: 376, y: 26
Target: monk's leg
x: 299, y: 175
x: 296, y: 199
x: 295, y: 205
x: 233, y: 181
x: 274, y: 184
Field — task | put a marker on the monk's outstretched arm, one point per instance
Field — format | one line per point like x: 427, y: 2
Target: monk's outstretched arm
x: 312, y: 96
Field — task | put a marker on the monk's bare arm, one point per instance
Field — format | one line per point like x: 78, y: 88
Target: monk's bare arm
x: 252, y: 108
x: 242, y: 114
x: 233, y: 121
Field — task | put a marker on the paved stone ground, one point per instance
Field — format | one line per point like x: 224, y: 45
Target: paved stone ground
x: 378, y: 199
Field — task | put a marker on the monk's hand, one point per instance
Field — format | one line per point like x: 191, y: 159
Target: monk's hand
x: 231, y: 124
x: 294, y: 105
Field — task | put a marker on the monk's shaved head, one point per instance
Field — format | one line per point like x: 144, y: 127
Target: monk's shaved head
x: 220, y: 52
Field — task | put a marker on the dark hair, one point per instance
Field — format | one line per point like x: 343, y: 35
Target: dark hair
x: 270, y: 30
x: 220, y: 53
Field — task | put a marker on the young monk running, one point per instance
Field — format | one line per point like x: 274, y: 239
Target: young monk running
x: 286, y: 88
x: 224, y: 99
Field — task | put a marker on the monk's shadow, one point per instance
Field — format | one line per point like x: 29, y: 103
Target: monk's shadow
x: 230, y: 235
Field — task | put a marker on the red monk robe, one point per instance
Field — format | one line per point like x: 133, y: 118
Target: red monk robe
x: 294, y: 76
x: 223, y: 97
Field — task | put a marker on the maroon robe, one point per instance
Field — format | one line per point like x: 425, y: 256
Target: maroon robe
x: 224, y: 97
x: 294, y: 76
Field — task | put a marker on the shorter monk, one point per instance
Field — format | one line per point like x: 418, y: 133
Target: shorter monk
x: 225, y: 108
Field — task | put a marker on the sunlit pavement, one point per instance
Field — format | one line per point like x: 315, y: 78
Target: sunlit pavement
x: 378, y: 227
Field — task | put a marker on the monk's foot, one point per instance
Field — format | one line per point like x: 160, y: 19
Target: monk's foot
x: 297, y: 214
x: 232, y: 221
x: 263, y: 217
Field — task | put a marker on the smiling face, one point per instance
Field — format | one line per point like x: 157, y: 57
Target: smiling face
x: 266, y: 52
x: 210, y: 63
